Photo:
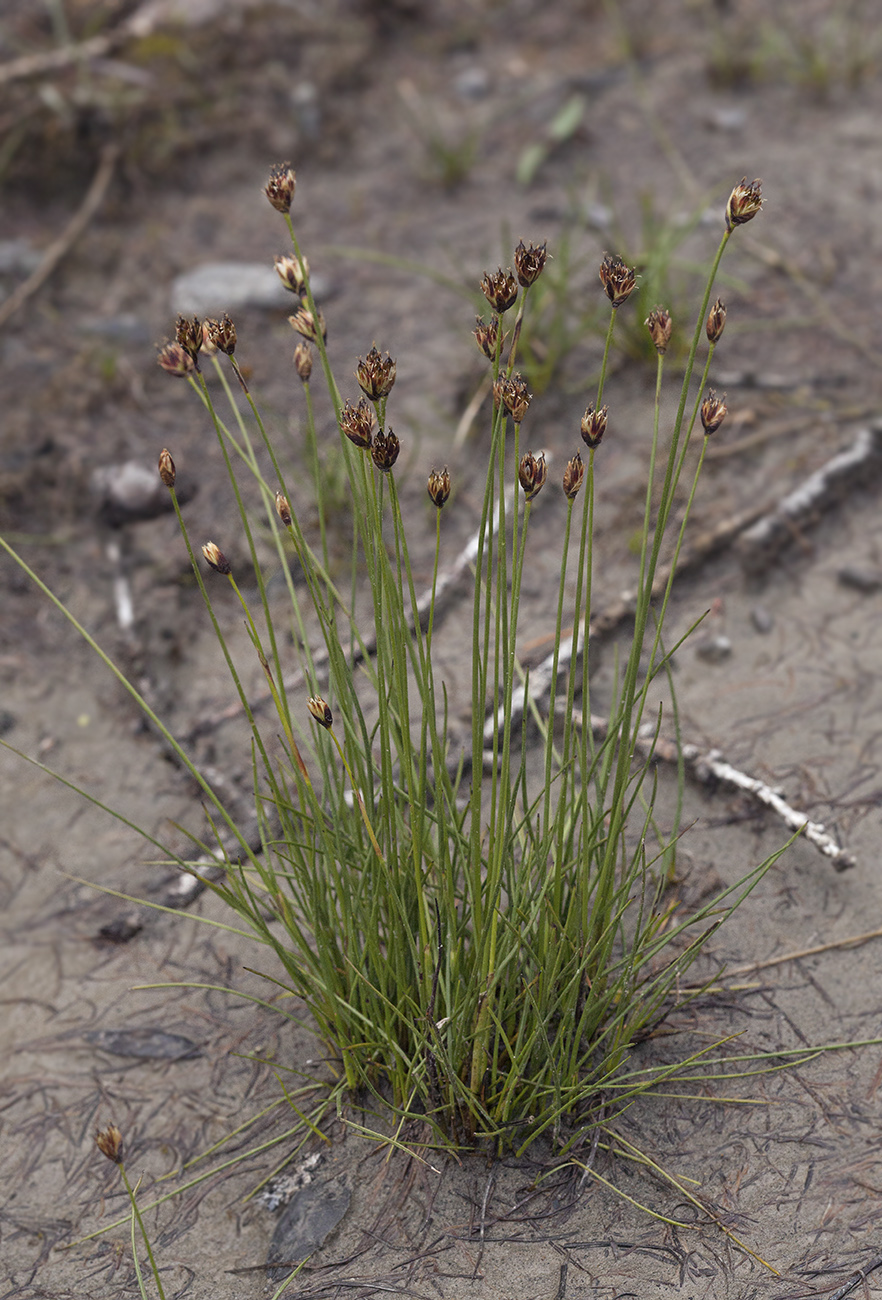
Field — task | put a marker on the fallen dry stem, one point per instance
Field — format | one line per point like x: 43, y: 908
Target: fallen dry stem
x: 68, y: 237
x: 708, y: 767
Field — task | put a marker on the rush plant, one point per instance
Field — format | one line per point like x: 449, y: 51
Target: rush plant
x: 480, y: 934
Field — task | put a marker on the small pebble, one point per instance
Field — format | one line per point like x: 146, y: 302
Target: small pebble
x: 148, y: 1044
x: 761, y: 619
x: 714, y: 650
x: 859, y: 578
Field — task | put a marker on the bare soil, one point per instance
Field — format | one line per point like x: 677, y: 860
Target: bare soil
x: 679, y: 102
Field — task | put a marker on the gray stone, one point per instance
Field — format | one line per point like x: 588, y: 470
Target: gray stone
x: 217, y: 287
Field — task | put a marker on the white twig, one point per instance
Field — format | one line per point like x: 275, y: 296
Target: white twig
x: 761, y: 543
x: 709, y: 767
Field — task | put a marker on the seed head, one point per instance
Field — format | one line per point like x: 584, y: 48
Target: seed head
x: 216, y: 558
x: 439, y: 486
x: 110, y: 1143
x: 716, y: 321
x: 189, y: 334
x: 209, y: 348
x: 500, y: 288
x: 618, y: 281
x: 514, y: 396
x: 283, y: 508
x: 166, y: 468
x: 385, y: 450
x: 594, y: 426
x: 293, y: 273
x: 487, y: 336
x: 175, y: 360
x: 375, y: 375
x: 357, y: 422
x: 532, y: 473
x: 280, y: 187
x: 744, y: 203
x: 222, y: 334
x: 302, y: 321
x: 320, y: 711
x: 303, y: 361
x: 713, y: 412
x: 573, y: 476
x: 529, y: 263
x: 660, y: 327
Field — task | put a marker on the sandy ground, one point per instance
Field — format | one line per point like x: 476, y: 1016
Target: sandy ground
x: 710, y: 94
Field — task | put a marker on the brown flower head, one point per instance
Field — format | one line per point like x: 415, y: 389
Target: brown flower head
x: 166, y: 468
x: 216, y: 559
x: 487, y: 336
x: 175, y: 360
x: 618, y: 281
x: 744, y: 203
x: 573, y: 476
x: 594, y: 426
x: 514, y: 395
x: 283, y: 508
x: 303, y: 361
x: 320, y: 711
x: 384, y: 450
x: 189, y: 334
x: 439, y: 486
x: 222, y: 334
x: 500, y: 288
x: 302, y: 321
x: 357, y: 422
x: 532, y: 473
x: 110, y: 1143
x: 713, y: 412
x: 660, y: 327
x: 716, y: 321
x: 529, y: 263
x: 293, y: 273
x: 375, y: 375
x: 280, y: 187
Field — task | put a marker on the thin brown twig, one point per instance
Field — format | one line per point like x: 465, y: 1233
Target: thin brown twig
x: 68, y: 237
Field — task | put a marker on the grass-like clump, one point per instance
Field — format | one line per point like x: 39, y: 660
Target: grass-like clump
x: 481, y: 934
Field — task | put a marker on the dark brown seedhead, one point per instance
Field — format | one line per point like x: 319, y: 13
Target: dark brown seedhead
x: 189, y: 334
x: 166, y: 468
x: 744, y: 203
x: 594, y: 426
x: 222, y: 334
x: 280, y: 187
x: 385, y: 449
x: 175, y: 360
x: 303, y: 361
x: 216, y: 559
x: 573, y: 476
x: 110, y: 1143
x: 529, y: 263
x: 617, y: 279
x: 500, y: 288
x: 514, y: 395
x: 716, y: 321
x: 283, y: 509
x: 376, y: 375
x: 532, y: 473
x: 304, y: 323
x: 487, y: 336
x: 321, y: 711
x: 293, y: 273
x: 713, y: 412
x: 357, y: 422
x: 439, y: 487
x: 660, y: 327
